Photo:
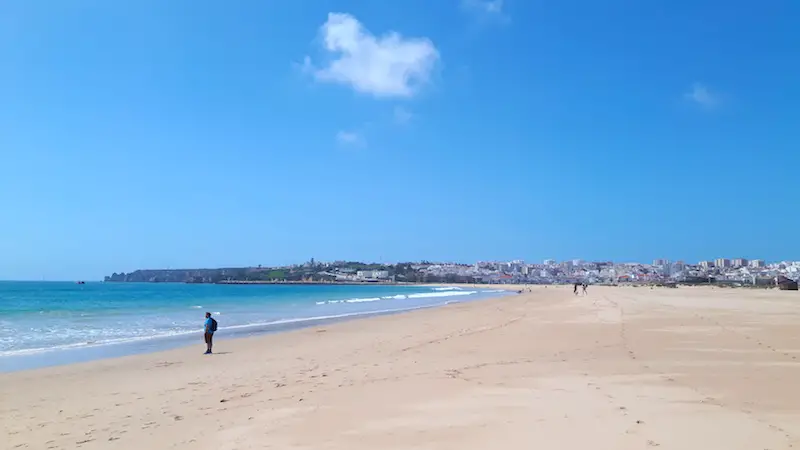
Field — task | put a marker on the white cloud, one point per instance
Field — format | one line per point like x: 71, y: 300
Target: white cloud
x: 402, y: 115
x: 350, y: 138
x: 486, y: 8
x: 700, y: 95
x: 383, y: 66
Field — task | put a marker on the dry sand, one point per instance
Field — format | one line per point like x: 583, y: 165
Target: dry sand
x: 622, y: 368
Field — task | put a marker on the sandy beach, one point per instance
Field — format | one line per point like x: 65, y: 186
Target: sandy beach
x: 620, y: 368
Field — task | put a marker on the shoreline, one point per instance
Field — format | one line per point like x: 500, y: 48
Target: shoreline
x: 629, y: 368
x: 79, y: 353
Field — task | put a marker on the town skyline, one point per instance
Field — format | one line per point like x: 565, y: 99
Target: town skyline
x: 707, y: 264
x: 549, y: 271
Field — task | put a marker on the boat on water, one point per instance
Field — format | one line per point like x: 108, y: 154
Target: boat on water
x: 81, y: 282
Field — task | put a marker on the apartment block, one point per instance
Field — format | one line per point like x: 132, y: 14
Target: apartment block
x: 722, y: 263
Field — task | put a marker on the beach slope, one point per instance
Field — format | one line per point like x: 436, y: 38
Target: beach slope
x: 620, y: 368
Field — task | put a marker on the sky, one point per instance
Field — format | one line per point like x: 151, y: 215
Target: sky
x: 179, y: 134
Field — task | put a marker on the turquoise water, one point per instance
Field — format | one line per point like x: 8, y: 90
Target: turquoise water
x: 45, y: 323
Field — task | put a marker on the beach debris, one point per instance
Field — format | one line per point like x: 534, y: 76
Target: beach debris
x: 223, y: 400
x: 453, y: 373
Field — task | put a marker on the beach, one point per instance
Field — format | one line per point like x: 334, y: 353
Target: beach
x: 619, y: 368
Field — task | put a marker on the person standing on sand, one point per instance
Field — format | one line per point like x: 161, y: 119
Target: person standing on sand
x: 575, y: 289
x: 208, y: 332
x: 584, y: 288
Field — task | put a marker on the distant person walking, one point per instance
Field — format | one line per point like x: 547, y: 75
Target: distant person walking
x: 208, y: 332
x: 575, y: 289
x: 584, y: 288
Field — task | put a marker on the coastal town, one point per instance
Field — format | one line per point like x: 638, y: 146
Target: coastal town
x: 723, y: 271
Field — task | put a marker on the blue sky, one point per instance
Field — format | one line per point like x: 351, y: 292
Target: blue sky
x: 157, y: 134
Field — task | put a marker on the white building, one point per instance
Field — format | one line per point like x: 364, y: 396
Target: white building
x: 372, y: 274
x: 740, y: 262
x: 757, y: 264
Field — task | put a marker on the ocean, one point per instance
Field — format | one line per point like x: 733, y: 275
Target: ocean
x: 50, y: 323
